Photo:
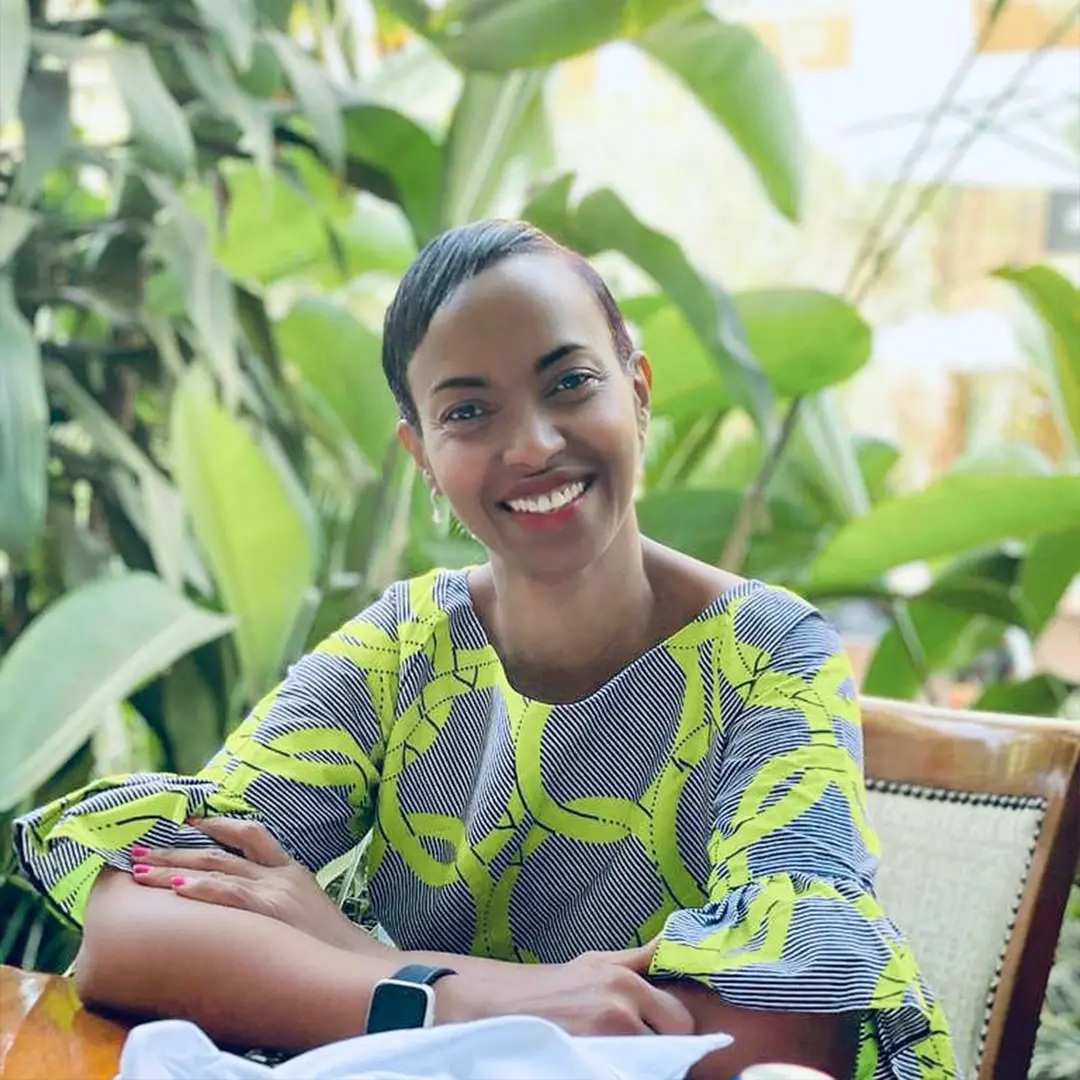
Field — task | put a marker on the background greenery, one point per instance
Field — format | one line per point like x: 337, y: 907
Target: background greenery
x: 198, y: 476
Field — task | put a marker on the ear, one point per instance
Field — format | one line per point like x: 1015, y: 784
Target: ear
x: 642, y: 388
x: 412, y: 440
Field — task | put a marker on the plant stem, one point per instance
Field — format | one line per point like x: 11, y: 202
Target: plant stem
x: 752, y: 502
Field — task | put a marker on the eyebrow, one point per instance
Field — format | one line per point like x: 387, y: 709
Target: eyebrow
x: 478, y: 381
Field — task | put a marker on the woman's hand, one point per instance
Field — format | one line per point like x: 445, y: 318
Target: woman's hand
x: 263, y: 879
x: 599, y: 993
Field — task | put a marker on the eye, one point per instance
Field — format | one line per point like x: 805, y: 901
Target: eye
x: 467, y: 410
x: 573, y: 380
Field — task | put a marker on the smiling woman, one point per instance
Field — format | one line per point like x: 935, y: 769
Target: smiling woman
x: 607, y: 784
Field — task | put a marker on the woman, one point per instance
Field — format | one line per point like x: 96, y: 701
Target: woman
x: 608, y: 784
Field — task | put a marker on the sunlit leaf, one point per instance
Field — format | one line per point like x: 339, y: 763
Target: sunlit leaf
x: 14, y: 55
x: 251, y: 519
x: 316, y: 96
x: 956, y: 513
x: 735, y: 77
x: 234, y: 20
x: 114, y: 635
x: 341, y: 359
x: 46, y: 125
x: 24, y: 425
x: 1057, y: 302
x: 1052, y: 562
x: 158, y: 123
x: 499, y: 123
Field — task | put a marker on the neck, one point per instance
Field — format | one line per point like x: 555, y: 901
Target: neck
x: 569, y: 626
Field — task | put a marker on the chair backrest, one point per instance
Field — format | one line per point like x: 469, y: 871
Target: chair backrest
x: 979, y: 817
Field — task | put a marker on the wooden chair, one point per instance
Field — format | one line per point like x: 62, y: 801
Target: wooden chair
x: 979, y: 817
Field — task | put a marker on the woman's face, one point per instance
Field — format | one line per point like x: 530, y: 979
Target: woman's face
x: 529, y: 423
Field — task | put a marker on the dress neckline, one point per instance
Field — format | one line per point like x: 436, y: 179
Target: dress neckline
x: 479, y: 631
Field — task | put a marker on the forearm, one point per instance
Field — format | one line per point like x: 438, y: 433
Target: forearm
x: 825, y: 1041
x: 245, y: 979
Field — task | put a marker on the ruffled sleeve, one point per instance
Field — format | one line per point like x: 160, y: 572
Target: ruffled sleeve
x: 791, y: 921
x: 305, y: 763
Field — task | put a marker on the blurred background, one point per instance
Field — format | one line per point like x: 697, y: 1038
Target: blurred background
x: 847, y: 233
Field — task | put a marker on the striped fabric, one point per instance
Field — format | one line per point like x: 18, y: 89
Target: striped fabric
x: 710, y: 793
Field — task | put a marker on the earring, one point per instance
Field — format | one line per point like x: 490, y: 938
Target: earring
x: 437, y: 511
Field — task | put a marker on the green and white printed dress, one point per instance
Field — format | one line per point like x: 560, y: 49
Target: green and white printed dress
x: 710, y: 793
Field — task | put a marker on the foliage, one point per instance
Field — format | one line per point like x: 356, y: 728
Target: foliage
x: 193, y: 424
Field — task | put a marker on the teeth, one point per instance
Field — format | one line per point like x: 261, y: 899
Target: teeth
x: 553, y: 500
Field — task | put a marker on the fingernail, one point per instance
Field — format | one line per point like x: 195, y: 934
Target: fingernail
x: 138, y: 851
x: 177, y: 881
x: 140, y: 868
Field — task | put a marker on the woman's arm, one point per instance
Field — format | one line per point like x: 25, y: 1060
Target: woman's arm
x: 825, y: 1041
x: 245, y: 979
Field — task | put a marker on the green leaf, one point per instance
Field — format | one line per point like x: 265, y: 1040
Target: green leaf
x: 956, y: 513
x: 1057, y: 302
x: 1051, y: 564
x: 158, y: 514
x: 16, y: 225
x: 211, y: 76
x: 877, y: 458
x: 383, y: 138
x: 479, y: 35
x: 234, y: 20
x: 602, y: 222
x: 46, y: 124
x: 192, y: 717
x: 499, y: 123
x: 183, y: 244
x: 158, y: 123
x: 804, y: 339
x: 24, y: 429
x: 736, y: 78
x: 316, y: 96
x: 341, y: 359
x: 14, y: 55
x: 1041, y: 695
x: 113, y: 635
x: 251, y: 519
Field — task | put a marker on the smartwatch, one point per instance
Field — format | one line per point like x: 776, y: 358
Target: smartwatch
x: 406, y: 1000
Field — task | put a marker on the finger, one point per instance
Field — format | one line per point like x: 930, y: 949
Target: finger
x: 207, y: 859
x: 211, y: 889
x: 663, y: 1012
x: 251, y: 838
x: 637, y: 959
x: 157, y: 877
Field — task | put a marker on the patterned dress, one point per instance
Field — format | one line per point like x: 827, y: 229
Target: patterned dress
x: 710, y: 793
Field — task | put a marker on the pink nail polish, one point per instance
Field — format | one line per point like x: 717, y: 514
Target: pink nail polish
x: 140, y: 868
x: 138, y: 851
x: 177, y: 881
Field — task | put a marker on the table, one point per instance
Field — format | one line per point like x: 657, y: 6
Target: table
x: 46, y: 1033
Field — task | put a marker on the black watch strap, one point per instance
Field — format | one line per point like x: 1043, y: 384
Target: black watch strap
x: 422, y: 974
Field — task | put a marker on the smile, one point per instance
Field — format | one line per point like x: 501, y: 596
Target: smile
x: 551, y: 501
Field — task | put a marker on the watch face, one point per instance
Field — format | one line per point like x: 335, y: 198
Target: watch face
x: 397, y: 1005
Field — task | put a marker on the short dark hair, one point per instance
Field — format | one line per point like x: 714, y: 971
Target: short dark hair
x: 453, y: 258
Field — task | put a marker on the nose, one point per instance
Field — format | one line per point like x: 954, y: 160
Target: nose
x: 533, y: 441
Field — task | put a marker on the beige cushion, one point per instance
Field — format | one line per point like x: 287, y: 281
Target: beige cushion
x: 952, y: 872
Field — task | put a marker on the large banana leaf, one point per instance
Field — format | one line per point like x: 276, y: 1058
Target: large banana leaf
x: 14, y: 54
x: 735, y: 77
x: 24, y: 429
x: 252, y: 520
x: 492, y: 35
x: 958, y: 512
x: 602, y: 222
x: 499, y: 124
x: 1057, y: 302
x: 83, y: 656
x: 804, y: 340
x: 341, y: 359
